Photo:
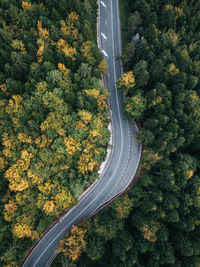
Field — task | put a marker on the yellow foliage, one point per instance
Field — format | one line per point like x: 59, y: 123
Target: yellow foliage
x: 168, y: 7
x: 8, y: 216
x: 13, y: 104
x: 53, y: 199
x: 189, y: 173
x: 27, y: 6
x: 86, y: 162
x: 49, y: 207
x: 73, y: 244
x: 66, y: 48
x: 63, y: 199
x: 11, y: 207
x: 172, y: 69
x: 86, y: 50
x: 86, y: 116
x: 3, y: 88
x: 42, y: 141
x: 149, y: 231
x: 53, y: 121
x: 93, y: 92
x: 98, y: 123
x: 127, y: 80
x: 18, y: 45
x: 17, y: 98
x: 69, y: 29
x: 14, y: 173
x: 64, y: 70
x: 39, y: 53
x: 101, y: 101
x: 11, y: 264
x: 23, y: 138
x: 80, y: 124
x: 26, y: 156
x: 73, y: 17
x: 16, y: 122
x: 21, y: 230
x: 46, y: 188
x: 42, y: 31
x: 40, y: 42
x: 7, y: 141
x: 3, y: 163
x: 34, y: 178
x: 61, y: 132
x: 157, y: 101
x: 18, y: 185
x: 173, y: 36
x: 184, y: 53
x: 72, y: 145
x: 94, y: 133
x: 179, y: 12
x: 75, y: 34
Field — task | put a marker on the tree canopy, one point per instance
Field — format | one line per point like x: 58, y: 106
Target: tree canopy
x: 54, y: 115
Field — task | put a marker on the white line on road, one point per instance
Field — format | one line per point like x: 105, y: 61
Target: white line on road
x: 102, y: 34
x: 104, y: 52
x: 103, y: 4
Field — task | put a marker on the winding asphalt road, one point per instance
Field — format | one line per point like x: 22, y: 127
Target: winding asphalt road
x: 126, y: 152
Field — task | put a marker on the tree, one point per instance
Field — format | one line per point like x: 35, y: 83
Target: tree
x: 141, y: 74
x: 73, y: 244
x: 135, y: 106
x: 126, y: 82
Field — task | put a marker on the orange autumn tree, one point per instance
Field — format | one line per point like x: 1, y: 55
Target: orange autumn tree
x: 74, y: 243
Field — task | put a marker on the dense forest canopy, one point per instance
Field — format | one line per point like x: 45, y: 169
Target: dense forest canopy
x: 54, y: 115
x: 158, y: 222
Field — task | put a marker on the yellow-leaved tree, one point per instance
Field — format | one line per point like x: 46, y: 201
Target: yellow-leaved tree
x: 72, y: 145
x: 66, y: 48
x: 14, y: 174
x: 21, y: 230
x: 73, y: 243
x: 126, y: 82
x: 53, y: 199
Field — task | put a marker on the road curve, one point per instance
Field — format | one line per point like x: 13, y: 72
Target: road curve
x: 126, y: 151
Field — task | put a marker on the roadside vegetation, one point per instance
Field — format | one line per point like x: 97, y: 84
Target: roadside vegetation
x: 158, y: 222
x: 54, y: 115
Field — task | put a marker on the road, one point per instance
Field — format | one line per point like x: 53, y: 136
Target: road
x: 126, y: 152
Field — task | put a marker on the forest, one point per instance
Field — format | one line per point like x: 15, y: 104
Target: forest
x: 157, y: 223
x: 54, y: 115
